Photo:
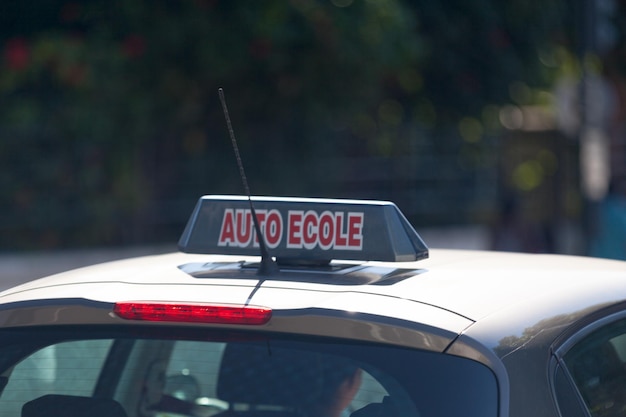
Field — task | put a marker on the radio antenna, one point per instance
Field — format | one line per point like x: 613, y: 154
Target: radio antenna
x: 268, y: 265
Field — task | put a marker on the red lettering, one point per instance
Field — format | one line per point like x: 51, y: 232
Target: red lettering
x: 273, y: 229
x: 309, y: 230
x: 294, y: 232
x: 341, y: 238
x: 355, y: 231
x: 260, y: 216
x: 238, y: 228
x: 227, y: 233
x: 326, y: 232
x: 243, y: 222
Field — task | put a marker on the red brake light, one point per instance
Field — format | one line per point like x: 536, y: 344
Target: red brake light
x: 192, y: 313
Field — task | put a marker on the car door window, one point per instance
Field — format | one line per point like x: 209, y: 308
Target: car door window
x: 597, y: 365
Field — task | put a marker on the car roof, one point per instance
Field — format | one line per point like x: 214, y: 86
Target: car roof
x: 473, y: 285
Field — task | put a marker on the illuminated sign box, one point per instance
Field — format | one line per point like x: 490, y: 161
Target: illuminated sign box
x: 303, y: 229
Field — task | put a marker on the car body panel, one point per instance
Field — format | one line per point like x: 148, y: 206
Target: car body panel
x: 469, y: 284
x: 503, y: 310
x: 453, y: 293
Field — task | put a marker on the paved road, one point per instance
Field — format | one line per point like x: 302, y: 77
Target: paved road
x: 17, y: 268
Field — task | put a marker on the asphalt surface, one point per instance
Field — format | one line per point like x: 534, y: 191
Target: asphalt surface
x: 16, y: 268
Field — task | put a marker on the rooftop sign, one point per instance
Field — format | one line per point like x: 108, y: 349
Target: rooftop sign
x: 303, y: 229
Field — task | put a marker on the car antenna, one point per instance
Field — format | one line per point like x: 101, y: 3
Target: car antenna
x: 268, y: 264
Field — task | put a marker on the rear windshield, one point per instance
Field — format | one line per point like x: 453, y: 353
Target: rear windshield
x: 143, y: 372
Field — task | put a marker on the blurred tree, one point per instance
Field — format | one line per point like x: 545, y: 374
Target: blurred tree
x: 478, y: 52
x: 110, y: 106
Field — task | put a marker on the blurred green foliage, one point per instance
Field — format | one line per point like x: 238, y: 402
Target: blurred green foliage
x: 110, y: 123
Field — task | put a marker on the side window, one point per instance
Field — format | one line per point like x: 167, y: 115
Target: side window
x: 597, y: 365
x: 567, y: 395
x: 65, y: 368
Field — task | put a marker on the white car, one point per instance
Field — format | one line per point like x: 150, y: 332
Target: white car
x: 343, y: 312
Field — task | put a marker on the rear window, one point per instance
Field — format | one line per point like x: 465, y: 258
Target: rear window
x: 143, y: 372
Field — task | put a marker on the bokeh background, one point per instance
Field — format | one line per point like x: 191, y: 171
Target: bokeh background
x: 506, y: 116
